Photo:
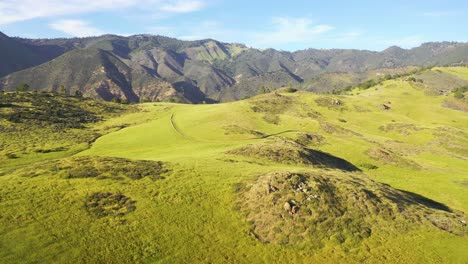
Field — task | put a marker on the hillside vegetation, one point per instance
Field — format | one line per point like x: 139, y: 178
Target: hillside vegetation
x: 375, y: 175
x: 37, y: 126
x: 143, y: 68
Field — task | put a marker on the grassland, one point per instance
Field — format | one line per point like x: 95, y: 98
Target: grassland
x: 212, y: 182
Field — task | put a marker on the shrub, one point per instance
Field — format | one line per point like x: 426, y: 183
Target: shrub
x: 78, y: 94
x: 290, y: 90
x: 368, y: 84
x: 263, y: 90
x: 103, y: 204
x: 369, y: 166
x: 11, y: 156
x: 459, y: 93
x: 22, y: 87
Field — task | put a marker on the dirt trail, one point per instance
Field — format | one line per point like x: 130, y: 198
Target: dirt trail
x: 182, y: 134
x: 178, y: 130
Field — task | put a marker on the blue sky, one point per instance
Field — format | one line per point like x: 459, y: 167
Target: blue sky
x: 285, y: 25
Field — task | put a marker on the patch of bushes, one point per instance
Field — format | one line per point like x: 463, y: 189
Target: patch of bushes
x: 271, y: 118
x: 290, y: 152
x: 175, y: 99
x: 11, y: 156
x: 451, y: 139
x: 371, y: 82
x: 47, y: 109
x: 401, y: 128
x: 313, y: 208
x: 459, y: 93
x: 58, y: 149
x: 308, y: 139
x: 368, y: 166
x: 389, y: 157
x: 103, y: 168
x: 103, y: 204
x: 456, y: 104
x: 234, y: 129
x: 271, y: 105
x: 289, y: 90
x: 330, y: 103
x: 335, y: 129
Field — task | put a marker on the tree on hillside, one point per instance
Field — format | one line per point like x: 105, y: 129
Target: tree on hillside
x: 61, y: 90
x: 367, y: 84
x: 263, y: 90
x: 387, y: 77
x: 22, y: 87
x: 78, y: 94
x: 459, y: 93
x: 116, y: 100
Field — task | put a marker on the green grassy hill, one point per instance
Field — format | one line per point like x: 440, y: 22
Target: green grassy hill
x: 378, y: 175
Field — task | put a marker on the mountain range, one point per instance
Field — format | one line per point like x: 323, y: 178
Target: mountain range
x: 157, y: 68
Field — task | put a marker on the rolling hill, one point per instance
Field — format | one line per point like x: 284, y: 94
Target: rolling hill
x: 155, y: 68
x: 374, y: 175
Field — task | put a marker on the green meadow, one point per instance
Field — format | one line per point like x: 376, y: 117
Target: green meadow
x: 377, y: 176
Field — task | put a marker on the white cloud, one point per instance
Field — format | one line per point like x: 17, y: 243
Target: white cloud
x: 182, y: 6
x: 19, y: 10
x: 283, y: 31
x: 291, y: 34
x: 76, y: 28
x: 209, y: 29
x: 290, y: 31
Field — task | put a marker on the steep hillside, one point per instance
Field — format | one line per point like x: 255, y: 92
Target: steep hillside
x: 96, y: 73
x: 377, y: 175
x: 157, y: 68
x: 15, y: 56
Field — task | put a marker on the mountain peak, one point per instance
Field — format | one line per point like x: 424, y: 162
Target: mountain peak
x: 3, y: 36
x: 141, y: 66
x: 394, y: 50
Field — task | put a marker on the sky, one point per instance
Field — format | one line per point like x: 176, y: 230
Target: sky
x: 283, y: 25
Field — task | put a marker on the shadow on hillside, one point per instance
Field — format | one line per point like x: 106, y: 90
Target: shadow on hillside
x: 407, y: 198
x: 290, y: 152
x: 317, y: 157
x: 192, y: 92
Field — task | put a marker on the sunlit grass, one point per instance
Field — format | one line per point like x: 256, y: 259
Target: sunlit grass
x: 191, y: 214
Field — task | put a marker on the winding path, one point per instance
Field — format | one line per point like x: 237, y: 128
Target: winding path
x: 178, y: 130
x: 182, y: 134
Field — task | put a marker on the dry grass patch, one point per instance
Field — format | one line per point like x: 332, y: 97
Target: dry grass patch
x: 315, y: 209
x: 287, y: 151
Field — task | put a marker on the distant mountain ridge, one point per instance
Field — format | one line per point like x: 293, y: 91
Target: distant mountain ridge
x: 149, y: 68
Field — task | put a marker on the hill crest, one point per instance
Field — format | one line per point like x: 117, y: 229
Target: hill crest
x: 198, y: 71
